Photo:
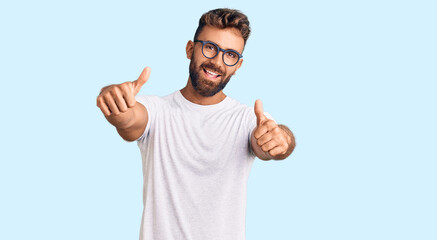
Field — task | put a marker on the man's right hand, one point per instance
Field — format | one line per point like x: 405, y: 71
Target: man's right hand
x: 119, y: 98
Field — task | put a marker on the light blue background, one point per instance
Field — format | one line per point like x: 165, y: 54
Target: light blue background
x: 354, y: 80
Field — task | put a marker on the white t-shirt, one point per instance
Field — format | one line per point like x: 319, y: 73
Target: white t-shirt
x: 196, y: 163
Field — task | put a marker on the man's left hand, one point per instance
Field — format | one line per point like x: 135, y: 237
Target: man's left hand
x: 273, y: 140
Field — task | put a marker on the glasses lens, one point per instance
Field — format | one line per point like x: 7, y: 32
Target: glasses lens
x: 209, y: 50
x: 231, y: 57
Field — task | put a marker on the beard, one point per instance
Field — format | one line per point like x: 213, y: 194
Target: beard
x: 206, y: 87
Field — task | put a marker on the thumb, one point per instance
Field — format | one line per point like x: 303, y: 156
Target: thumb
x: 259, y: 112
x: 144, y: 76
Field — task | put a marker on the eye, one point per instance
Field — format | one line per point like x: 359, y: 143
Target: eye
x: 231, y: 54
x: 210, y: 47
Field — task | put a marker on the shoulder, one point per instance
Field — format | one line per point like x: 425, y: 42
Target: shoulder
x: 242, y: 111
x: 148, y: 98
x: 236, y: 106
x: 154, y: 99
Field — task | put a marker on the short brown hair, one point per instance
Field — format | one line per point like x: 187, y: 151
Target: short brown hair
x: 225, y: 18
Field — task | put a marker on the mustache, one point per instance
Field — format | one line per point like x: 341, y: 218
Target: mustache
x: 213, y: 67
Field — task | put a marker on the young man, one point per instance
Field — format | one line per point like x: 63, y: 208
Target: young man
x: 197, y: 144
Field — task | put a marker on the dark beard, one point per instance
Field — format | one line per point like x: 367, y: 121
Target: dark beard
x: 204, y: 87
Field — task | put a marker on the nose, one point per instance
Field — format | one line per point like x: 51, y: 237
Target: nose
x: 218, y: 60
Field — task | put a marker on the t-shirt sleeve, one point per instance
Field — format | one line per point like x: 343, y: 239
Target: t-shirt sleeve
x: 150, y: 103
x: 252, y: 125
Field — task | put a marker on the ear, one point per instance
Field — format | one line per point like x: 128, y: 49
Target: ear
x: 238, y: 65
x: 189, y: 49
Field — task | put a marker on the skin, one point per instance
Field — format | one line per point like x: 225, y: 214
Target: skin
x: 228, y: 38
x: 270, y: 140
x: 117, y: 102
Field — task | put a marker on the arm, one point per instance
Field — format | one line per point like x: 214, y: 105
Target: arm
x: 118, y: 104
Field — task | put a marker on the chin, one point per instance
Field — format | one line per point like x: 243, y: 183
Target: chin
x: 207, y: 88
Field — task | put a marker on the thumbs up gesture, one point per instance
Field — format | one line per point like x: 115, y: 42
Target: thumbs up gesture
x: 118, y: 98
x: 272, y: 140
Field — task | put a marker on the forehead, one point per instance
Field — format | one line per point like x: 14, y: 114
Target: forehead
x: 228, y: 38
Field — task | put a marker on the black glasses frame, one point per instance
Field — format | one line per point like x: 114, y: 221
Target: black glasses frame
x: 220, y: 50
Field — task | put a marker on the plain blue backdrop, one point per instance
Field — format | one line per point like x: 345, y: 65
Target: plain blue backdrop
x: 354, y: 80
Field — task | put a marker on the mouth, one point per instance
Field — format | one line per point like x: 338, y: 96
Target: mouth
x: 211, y: 74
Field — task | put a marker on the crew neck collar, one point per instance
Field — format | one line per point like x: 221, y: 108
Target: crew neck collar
x: 199, y: 106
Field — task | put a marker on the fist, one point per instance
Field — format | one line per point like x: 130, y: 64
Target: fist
x: 118, y: 98
x: 269, y: 136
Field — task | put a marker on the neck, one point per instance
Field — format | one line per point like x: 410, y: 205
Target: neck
x: 191, y: 95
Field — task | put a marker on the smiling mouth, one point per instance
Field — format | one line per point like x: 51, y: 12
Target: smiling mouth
x: 210, y: 73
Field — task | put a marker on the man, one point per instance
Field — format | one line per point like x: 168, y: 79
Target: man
x: 197, y: 144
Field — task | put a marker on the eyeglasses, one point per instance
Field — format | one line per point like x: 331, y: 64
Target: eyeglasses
x: 210, y: 50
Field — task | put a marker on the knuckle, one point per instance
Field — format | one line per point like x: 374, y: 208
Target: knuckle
x: 123, y: 109
x: 132, y: 103
x: 271, y: 123
x: 276, y: 130
x: 264, y: 148
x: 262, y: 128
x: 115, y: 91
x: 129, y: 104
x: 128, y: 101
x: 126, y: 86
x: 106, y: 96
x: 123, y: 86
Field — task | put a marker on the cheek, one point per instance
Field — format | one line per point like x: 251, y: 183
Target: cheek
x: 197, y: 55
x: 196, y: 60
x: 231, y: 71
x: 193, y: 63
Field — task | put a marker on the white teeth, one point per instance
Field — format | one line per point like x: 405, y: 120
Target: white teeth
x: 215, y: 74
